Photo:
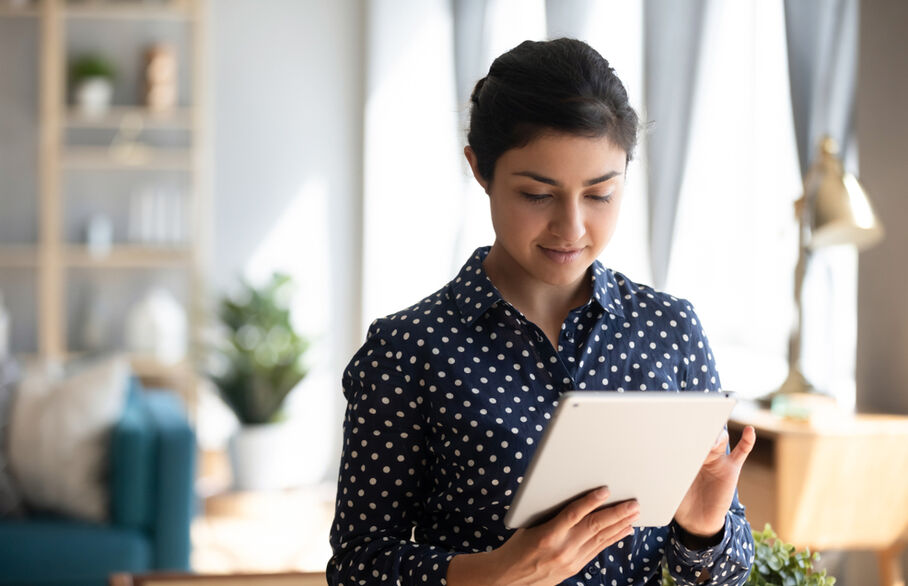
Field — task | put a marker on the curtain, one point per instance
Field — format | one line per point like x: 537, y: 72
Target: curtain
x: 822, y: 61
x: 822, y: 68
x: 672, y: 32
x: 411, y: 153
x: 569, y: 18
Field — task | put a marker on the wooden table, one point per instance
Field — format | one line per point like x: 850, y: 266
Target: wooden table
x: 176, y: 579
x: 837, y: 481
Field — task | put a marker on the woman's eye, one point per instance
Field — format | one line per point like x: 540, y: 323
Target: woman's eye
x: 535, y: 196
x: 602, y: 198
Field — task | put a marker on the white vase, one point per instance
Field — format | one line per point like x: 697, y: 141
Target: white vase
x: 93, y: 96
x: 262, y: 457
x: 157, y: 327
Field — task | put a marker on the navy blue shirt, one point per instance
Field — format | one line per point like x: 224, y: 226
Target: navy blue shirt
x: 447, y: 400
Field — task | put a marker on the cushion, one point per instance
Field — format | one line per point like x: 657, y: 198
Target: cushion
x: 11, y: 504
x: 59, y: 438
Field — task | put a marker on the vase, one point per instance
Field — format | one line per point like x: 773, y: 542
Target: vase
x: 262, y: 457
x: 93, y: 96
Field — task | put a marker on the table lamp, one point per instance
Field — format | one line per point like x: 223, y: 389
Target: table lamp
x: 834, y: 209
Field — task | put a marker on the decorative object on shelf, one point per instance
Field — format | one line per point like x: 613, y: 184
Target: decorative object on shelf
x: 91, y: 77
x: 833, y: 210
x: 95, y: 319
x: 160, y: 78
x: 4, y: 329
x: 126, y: 147
x: 777, y: 562
x: 255, y: 367
x: 99, y: 235
x: 156, y: 327
x: 157, y: 216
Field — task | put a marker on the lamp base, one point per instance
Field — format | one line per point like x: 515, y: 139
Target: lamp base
x: 797, y: 398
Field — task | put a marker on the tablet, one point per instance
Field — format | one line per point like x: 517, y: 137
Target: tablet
x: 647, y: 446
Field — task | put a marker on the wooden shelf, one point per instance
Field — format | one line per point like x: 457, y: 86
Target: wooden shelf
x: 130, y: 256
x: 100, y: 10
x: 179, y: 118
x: 111, y: 159
x: 18, y: 256
x: 7, y: 11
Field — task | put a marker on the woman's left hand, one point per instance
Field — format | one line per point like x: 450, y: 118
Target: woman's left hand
x: 702, y: 512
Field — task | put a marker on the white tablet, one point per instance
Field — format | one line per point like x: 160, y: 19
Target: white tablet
x: 647, y: 446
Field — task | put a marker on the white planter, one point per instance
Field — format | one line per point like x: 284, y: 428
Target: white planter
x: 262, y: 457
x: 93, y: 96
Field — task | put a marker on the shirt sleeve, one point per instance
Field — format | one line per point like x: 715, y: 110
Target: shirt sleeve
x: 729, y: 561
x: 381, y: 484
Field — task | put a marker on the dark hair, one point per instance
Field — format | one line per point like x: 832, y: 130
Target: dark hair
x: 562, y: 85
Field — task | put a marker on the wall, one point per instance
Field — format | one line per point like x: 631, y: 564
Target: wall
x: 287, y: 96
x: 882, y: 125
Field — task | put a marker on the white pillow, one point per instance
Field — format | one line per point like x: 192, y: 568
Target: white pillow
x: 59, y: 436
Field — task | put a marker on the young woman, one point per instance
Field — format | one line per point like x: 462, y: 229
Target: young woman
x: 448, y: 398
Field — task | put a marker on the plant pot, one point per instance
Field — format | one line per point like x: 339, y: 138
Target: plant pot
x: 261, y: 457
x: 93, y: 96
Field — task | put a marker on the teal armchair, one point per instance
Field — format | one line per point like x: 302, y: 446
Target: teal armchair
x: 151, y: 477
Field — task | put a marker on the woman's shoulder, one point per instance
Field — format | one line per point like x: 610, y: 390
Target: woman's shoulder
x: 644, y: 301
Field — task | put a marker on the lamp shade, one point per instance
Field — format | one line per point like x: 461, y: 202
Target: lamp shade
x: 839, y: 211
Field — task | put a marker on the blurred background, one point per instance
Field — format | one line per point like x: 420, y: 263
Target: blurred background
x: 227, y: 192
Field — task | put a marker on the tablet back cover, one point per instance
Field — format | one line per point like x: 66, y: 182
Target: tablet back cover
x: 647, y: 446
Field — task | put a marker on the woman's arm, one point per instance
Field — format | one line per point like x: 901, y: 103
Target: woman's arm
x: 381, y: 490
x: 710, y: 513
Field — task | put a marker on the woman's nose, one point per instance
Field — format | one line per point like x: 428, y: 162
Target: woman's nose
x: 567, y: 222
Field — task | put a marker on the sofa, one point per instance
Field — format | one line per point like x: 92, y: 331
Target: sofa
x: 150, y: 479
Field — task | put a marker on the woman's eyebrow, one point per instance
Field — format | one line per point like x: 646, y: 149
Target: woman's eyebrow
x: 550, y: 181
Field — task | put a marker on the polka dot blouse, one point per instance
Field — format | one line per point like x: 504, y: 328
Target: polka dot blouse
x: 447, y: 400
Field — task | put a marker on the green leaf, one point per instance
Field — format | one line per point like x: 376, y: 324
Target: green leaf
x: 263, y: 354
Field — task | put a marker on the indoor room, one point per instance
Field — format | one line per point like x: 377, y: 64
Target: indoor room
x: 264, y: 318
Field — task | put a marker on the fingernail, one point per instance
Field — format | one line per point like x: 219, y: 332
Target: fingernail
x: 631, y: 507
x: 601, y: 493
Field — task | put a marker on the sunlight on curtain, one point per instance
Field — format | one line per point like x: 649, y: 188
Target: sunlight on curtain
x: 411, y: 154
x: 736, y: 240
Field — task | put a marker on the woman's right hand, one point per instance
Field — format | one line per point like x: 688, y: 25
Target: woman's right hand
x: 552, y: 552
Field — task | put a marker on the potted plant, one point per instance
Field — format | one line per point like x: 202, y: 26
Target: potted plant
x: 777, y: 563
x: 91, y: 77
x: 257, y: 364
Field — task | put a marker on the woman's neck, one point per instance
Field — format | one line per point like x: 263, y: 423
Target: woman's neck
x: 544, y: 304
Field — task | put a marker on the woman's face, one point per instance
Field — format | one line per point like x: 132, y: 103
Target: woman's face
x: 555, y: 203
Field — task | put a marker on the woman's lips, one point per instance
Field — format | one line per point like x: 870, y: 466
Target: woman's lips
x: 562, y: 256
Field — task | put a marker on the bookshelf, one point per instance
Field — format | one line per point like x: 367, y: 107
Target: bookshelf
x: 63, y: 157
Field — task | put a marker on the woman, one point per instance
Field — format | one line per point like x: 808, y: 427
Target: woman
x: 447, y: 399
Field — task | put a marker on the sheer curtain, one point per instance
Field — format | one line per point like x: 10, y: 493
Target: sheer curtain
x: 735, y: 244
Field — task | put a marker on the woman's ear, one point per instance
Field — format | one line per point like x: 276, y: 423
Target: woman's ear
x: 474, y: 166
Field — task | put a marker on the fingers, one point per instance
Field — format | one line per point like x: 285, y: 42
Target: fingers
x: 577, y: 511
x: 610, y: 526
x: 745, y: 445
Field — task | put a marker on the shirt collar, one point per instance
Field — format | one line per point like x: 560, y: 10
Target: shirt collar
x: 605, y: 289
x: 473, y: 291
x: 475, y: 294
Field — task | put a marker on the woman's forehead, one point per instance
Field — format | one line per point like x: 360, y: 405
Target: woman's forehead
x: 565, y: 155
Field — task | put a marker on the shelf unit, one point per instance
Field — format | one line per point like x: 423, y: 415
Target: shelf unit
x: 52, y: 257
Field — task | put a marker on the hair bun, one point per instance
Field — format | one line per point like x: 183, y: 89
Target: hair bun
x: 477, y: 89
